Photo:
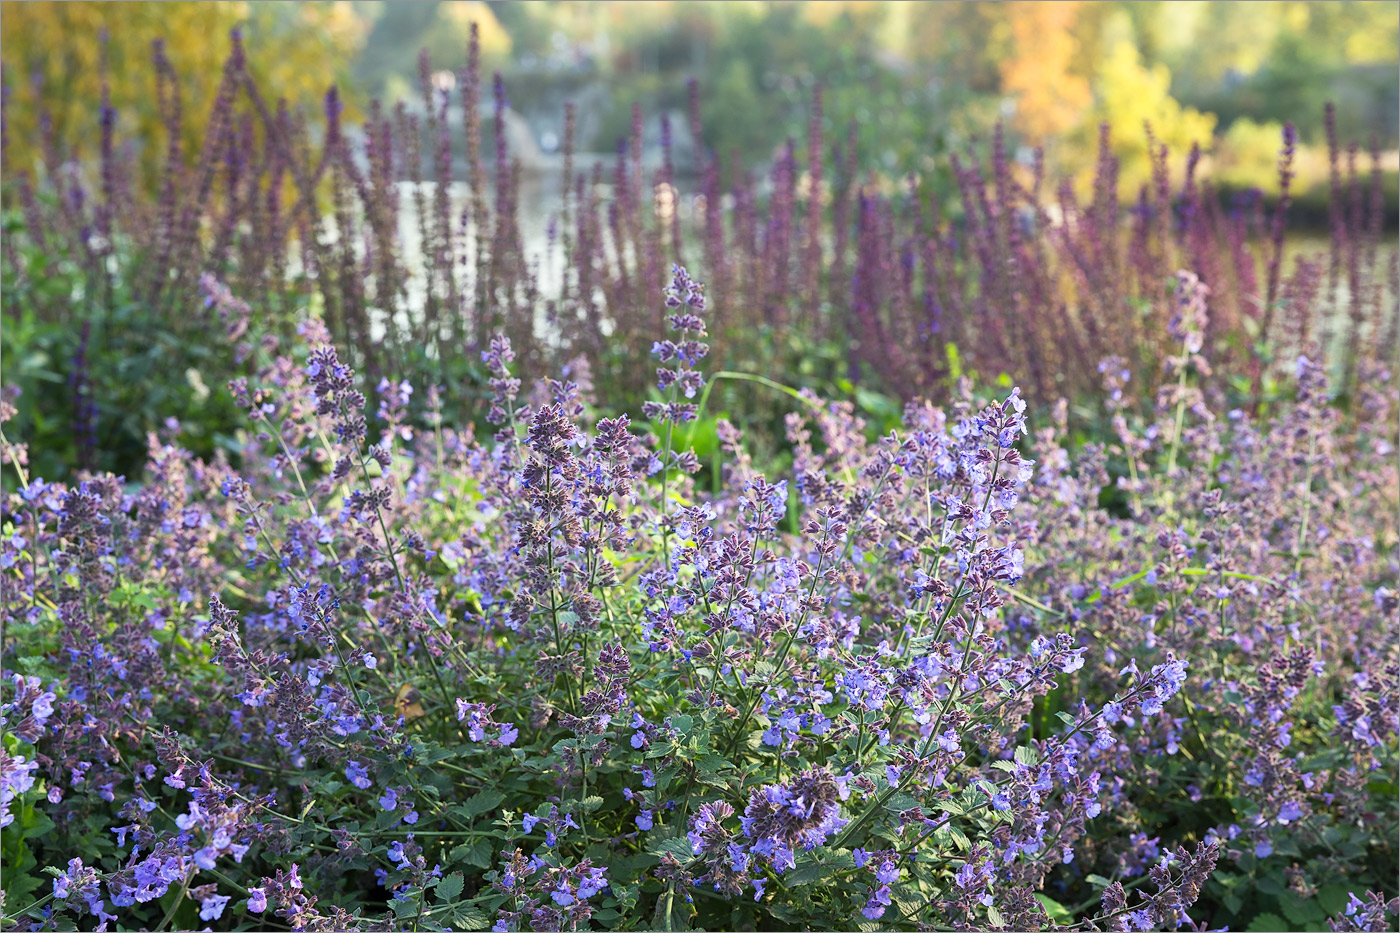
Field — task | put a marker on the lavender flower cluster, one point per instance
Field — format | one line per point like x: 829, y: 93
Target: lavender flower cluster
x: 987, y: 265
x: 363, y: 675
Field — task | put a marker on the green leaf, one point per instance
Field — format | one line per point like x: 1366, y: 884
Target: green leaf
x: 711, y: 779
x: 450, y: 887
x: 1057, y: 911
x: 480, y: 803
x: 900, y: 802
x: 994, y: 917
x: 909, y: 906
x: 1098, y: 881
x: 1268, y: 923
x: 470, y: 919
x: 811, y: 869
x: 479, y: 854
x: 1301, y: 912
x: 36, y: 822
x: 18, y: 879
x: 1333, y: 897
x: 678, y: 846
x: 432, y: 752
x: 1025, y: 755
x: 804, y: 874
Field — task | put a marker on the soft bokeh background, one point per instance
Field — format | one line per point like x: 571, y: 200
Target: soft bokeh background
x: 918, y: 79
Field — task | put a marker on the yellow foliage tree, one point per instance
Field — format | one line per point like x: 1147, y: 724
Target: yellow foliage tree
x: 51, y: 53
x: 1128, y: 96
x: 1051, y: 98
x: 1248, y: 153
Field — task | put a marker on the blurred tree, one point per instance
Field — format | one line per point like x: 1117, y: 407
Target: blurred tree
x: 967, y: 40
x: 1277, y: 60
x: 1246, y: 154
x: 397, y: 31
x: 1129, y: 94
x: 52, y: 53
x: 867, y: 16
x: 1050, y: 98
x: 735, y: 117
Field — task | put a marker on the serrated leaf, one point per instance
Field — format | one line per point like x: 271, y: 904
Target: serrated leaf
x: 479, y: 854
x: 1065, y: 718
x: 592, y: 802
x: 994, y: 917
x: 1025, y: 755
x: 805, y: 874
x: 678, y: 846
x: 1267, y: 923
x: 431, y: 751
x: 470, y: 919
x: 908, y: 906
x: 483, y: 802
x: 449, y: 888
x: 1004, y: 765
x: 711, y: 779
x: 901, y: 802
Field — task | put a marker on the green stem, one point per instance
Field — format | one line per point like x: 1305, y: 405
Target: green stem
x: 34, y: 906
x: 782, y: 655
